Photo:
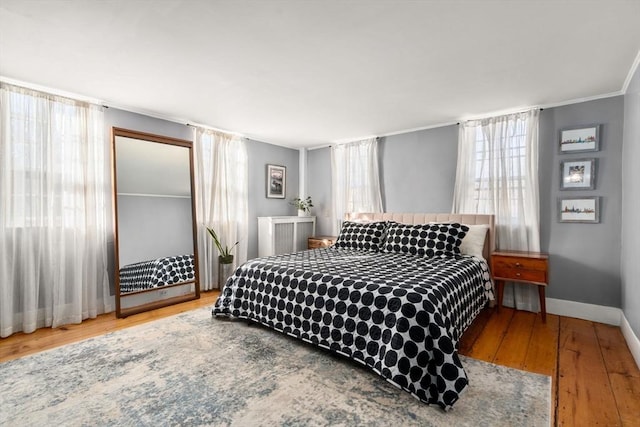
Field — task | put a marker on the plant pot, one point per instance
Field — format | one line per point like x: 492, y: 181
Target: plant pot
x: 225, y: 269
x: 302, y: 212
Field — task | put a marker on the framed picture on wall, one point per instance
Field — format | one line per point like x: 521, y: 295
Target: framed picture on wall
x: 276, y: 182
x: 579, y: 139
x: 579, y: 209
x: 579, y: 174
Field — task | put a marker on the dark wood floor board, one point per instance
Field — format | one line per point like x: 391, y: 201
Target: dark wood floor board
x: 542, y: 355
x: 492, y: 335
x: 624, y: 374
x: 585, y: 396
x: 513, y: 349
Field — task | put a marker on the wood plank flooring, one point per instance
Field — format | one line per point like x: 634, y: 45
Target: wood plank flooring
x: 595, y: 380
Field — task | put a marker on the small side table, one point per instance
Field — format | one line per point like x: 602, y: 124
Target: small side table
x: 315, y: 242
x: 523, y: 267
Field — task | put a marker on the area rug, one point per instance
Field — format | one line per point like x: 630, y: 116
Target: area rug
x: 192, y: 369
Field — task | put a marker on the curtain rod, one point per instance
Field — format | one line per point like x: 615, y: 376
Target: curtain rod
x: 498, y: 115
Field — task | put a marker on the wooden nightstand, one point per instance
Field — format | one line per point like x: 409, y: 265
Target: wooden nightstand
x: 315, y: 242
x: 524, y: 267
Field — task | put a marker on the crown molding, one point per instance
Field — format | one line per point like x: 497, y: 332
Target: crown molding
x: 632, y: 71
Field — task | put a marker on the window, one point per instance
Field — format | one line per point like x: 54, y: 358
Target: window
x: 497, y: 174
x: 509, y: 173
x: 53, y: 211
x: 355, y: 180
x: 44, y: 162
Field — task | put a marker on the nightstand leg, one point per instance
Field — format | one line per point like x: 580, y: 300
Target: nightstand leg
x: 500, y: 289
x: 543, y: 303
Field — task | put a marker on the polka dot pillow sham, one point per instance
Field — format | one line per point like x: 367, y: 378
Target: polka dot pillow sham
x: 425, y: 239
x: 365, y: 236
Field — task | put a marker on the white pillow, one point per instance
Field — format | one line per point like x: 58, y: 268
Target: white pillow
x: 473, y: 242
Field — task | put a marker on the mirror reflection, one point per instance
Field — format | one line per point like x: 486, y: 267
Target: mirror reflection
x: 156, y: 255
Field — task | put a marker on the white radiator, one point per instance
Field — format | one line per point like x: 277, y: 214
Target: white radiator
x: 284, y: 234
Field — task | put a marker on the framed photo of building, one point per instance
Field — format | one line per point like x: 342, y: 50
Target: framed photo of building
x: 579, y: 174
x: 276, y: 182
x: 579, y: 209
x: 579, y: 139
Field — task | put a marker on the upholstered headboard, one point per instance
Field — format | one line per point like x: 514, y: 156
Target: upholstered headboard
x: 423, y: 218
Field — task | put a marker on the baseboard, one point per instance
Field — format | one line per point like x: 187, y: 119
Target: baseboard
x: 581, y: 310
x: 632, y: 340
x: 598, y: 313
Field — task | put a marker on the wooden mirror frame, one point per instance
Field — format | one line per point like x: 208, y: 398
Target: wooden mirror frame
x: 124, y: 312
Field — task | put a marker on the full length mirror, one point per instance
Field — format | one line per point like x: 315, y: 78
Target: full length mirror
x: 155, y: 250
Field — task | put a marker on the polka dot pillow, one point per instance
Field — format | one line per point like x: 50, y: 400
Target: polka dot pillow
x: 367, y: 236
x: 429, y: 240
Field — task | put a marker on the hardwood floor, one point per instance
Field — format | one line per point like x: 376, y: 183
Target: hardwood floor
x: 595, y: 380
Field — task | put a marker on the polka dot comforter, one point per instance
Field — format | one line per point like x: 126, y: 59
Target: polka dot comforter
x: 156, y: 273
x: 398, y: 314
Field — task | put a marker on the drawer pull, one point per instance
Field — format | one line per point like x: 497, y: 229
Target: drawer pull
x: 518, y: 264
x: 517, y: 274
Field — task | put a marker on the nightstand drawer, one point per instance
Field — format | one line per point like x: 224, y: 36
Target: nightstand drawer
x: 500, y: 263
x: 516, y: 273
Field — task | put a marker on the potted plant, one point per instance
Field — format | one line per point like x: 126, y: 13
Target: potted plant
x: 225, y: 259
x: 303, y: 205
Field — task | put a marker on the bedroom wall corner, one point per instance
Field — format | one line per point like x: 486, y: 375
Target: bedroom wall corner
x: 633, y: 342
x: 631, y: 206
x: 319, y: 188
x: 601, y: 314
x: 260, y: 154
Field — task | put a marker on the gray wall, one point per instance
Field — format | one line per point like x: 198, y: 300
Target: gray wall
x: 584, y: 258
x: 260, y: 155
x: 631, y: 205
x: 153, y: 227
x: 319, y: 188
x: 418, y: 170
x: 418, y: 175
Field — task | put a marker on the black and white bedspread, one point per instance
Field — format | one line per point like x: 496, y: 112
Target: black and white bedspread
x: 400, y: 315
x: 156, y: 273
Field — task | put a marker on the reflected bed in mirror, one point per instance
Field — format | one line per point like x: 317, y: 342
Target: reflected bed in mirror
x: 155, y: 252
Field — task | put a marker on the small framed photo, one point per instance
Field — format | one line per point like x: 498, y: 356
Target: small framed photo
x: 276, y: 182
x: 579, y: 209
x: 579, y: 174
x: 579, y: 139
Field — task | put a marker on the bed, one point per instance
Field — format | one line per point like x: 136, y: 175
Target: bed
x: 394, y: 294
x: 156, y: 273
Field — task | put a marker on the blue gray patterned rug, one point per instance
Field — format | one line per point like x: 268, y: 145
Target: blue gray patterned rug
x: 191, y: 369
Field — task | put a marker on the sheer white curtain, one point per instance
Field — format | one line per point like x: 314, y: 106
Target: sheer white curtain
x: 53, y: 211
x: 221, y: 180
x: 497, y: 173
x: 355, y: 182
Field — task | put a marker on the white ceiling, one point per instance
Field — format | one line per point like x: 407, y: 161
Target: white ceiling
x: 305, y: 73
